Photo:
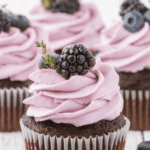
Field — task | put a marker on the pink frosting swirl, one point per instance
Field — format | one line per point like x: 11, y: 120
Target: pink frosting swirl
x: 125, y: 51
x: 60, y: 29
x: 80, y: 100
x: 18, y: 54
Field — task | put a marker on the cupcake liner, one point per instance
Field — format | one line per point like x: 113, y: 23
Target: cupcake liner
x: 12, y: 108
x: 113, y: 141
x: 137, y: 108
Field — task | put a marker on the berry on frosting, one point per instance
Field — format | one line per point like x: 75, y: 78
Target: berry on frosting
x: 63, y: 6
x: 133, y: 13
x: 144, y: 145
x: 8, y: 19
x: 141, y: 8
x: 75, y: 59
x: 48, y: 60
x: 21, y: 22
x: 133, y: 21
x: 4, y: 22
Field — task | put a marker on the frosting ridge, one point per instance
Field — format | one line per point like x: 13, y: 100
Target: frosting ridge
x: 18, y: 55
x: 61, y: 29
x: 125, y: 51
x: 80, y: 100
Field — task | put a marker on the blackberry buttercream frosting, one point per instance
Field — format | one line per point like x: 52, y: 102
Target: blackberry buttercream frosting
x: 61, y: 29
x: 81, y: 100
x: 18, y: 54
x: 126, y: 51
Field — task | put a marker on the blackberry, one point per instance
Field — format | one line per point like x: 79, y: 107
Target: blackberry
x: 18, y: 21
x: 59, y: 51
x: 12, y: 19
x: 21, y: 22
x: 130, y: 5
x: 42, y: 64
x: 64, y: 6
x: 4, y: 22
x: 141, y: 8
x: 74, y: 60
x: 125, y: 5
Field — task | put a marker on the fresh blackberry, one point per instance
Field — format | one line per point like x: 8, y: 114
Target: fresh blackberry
x: 125, y: 5
x: 141, y: 8
x: 12, y: 18
x: 4, y: 22
x: 75, y: 59
x: 18, y: 21
x: 64, y: 6
x: 22, y: 22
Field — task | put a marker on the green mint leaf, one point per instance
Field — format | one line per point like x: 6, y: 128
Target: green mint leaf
x: 42, y: 43
x: 44, y: 51
x: 50, y: 61
x: 46, y: 3
x: 37, y: 44
x: 44, y: 46
x: 49, y: 4
x: 48, y: 67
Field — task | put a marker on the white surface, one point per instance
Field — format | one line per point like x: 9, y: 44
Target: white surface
x: 13, y: 141
x: 146, y: 135
x: 109, y: 9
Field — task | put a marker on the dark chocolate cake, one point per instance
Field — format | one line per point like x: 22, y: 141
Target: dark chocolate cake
x: 48, y: 127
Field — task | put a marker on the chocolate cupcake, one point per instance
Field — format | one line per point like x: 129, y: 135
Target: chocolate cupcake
x: 81, y: 111
x: 18, y: 58
x: 129, y: 54
x: 61, y: 23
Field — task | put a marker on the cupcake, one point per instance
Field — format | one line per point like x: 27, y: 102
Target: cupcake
x: 77, y: 112
x: 127, y: 49
x: 18, y: 58
x: 66, y: 22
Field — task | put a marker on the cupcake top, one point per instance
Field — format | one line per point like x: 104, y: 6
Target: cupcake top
x: 80, y: 100
x: 61, y: 29
x: 126, y: 51
x: 125, y: 45
x: 18, y: 55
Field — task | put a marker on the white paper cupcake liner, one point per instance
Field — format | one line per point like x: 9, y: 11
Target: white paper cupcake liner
x: 113, y: 141
x: 12, y: 107
x: 137, y: 108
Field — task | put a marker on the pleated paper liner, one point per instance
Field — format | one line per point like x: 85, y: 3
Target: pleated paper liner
x: 113, y: 141
x: 137, y: 108
x: 12, y: 108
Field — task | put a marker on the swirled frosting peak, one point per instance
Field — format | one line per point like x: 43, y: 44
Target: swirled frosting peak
x: 81, y: 100
x: 18, y: 55
x: 124, y: 50
x: 60, y: 29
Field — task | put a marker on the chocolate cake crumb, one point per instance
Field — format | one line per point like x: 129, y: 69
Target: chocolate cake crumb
x: 50, y: 128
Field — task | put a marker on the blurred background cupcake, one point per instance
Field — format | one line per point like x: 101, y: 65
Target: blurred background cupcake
x: 64, y: 22
x: 82, y: 112
x: 126, y: 46
x: 18, y: 58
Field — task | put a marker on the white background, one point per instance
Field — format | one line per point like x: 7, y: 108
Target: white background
x: 109, y: 9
